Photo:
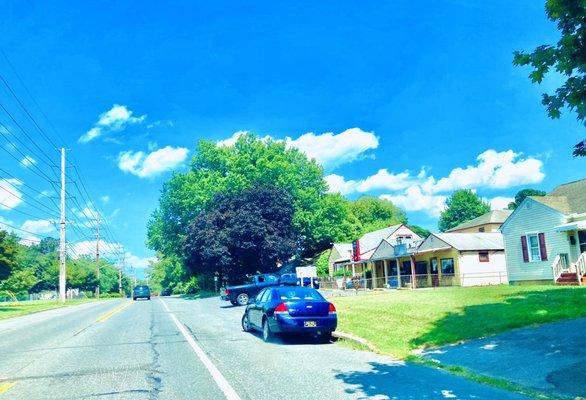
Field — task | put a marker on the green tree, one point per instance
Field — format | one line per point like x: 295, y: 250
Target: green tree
x: 373, y: 213
x: 463, y: 205
x: 567, y: 57
x: 8, y: 254
x: 521, y: 194
x: 241, y: 233
x: 168, y: 273
x: 231, y: 169
x: 424, y: 233
x: 322, y: 263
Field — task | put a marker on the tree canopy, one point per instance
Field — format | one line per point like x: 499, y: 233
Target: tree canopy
x: 318, y: 216
x: 373, y: 213
x: 521, y: 194
x: 463, y: 205
x: 567, y: 57
x: 241, y: 233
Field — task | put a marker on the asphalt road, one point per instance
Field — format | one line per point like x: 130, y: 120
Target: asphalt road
x: 173, y: 348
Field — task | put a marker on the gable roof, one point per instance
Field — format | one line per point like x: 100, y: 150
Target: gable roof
x: 344, y: 250
x: 575, y: 194
x: 558, y: 203
x: 472, y: 241
x: 370, y: 240
x: 491, y: 217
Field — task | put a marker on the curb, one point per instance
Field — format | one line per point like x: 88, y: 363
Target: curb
x: 355, y: 339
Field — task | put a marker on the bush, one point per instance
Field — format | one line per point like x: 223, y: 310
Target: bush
x: 189, y: 287
x: 112, y: 295
x: 340, y: 273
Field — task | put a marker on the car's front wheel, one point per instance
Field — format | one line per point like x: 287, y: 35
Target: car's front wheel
x: 246, y: 323
x: 242, y: 299
x: 267, y: 334
x: 134, y: 298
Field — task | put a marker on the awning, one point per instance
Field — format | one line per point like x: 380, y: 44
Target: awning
x: 571, y: 226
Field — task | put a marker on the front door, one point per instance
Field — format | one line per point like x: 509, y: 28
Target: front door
x: 582, y: 241
x: 434, y: 272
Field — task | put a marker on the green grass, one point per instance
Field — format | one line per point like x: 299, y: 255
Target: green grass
x: 400, y: 321
x: 9, y: 310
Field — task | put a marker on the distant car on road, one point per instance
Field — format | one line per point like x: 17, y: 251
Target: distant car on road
x: 241, y: 294
x: 166, y: 292
x: 290, y: 310
x: 141, y: 292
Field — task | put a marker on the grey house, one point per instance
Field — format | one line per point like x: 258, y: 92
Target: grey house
x: 545, y: 237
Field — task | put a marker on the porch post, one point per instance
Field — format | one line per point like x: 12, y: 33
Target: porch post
x: 413, y: 283
x: 398, y: 261
x: 373, y: 266
x: 386, y: 268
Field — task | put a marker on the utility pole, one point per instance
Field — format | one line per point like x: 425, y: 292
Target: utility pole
x: 98, y: 257
x: 120, y: 274
x: 62, y: 222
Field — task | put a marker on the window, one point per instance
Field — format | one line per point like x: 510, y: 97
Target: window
x: 298, y: 293
x: 421, y: 267
x: 266, y: 296
x: 481, y: 229
x: 260, y: 295
x: 483, y: 256
x: 534, y: 249
x: 406, y: 268
x: 582, y: 239
x: 447, y: 265
x: 272, y: 278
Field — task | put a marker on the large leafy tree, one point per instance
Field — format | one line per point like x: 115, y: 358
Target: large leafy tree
x: 373, y: 213
x: 8, y: 254
x: 567, y: 57
x: 241, y: 233
x: 319, y: 217
x: 463, y: 205
x: 521, y: 194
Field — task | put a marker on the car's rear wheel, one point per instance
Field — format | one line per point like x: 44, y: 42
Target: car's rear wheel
x: 234, y: 302
x: 242, y: 299
x: 267, y: 335
x: 246, y: 323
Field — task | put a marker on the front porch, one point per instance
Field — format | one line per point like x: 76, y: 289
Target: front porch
x: 570, y: 268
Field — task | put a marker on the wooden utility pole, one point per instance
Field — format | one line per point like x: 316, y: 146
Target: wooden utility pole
x: 62, y: 244
x: 98, y: 257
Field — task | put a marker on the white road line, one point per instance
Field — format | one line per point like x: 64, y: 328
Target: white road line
x: 222, y: 383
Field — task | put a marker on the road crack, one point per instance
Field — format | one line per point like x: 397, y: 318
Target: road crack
x: 154, y: 377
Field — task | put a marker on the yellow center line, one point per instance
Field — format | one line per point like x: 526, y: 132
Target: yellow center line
x: 106, y: 316
x: 6, y: 386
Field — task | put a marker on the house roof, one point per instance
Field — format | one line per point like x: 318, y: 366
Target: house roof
x: 345, y: 251
x: 575, y: 194
x: 370, y: 240
x: 559, y: 203
x: 491, y: 217
x: 473, y: 241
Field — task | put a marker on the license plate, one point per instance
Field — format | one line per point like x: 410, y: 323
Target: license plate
x: 309, y: 324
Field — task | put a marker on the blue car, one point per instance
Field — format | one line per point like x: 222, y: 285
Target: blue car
x: 290, y: 310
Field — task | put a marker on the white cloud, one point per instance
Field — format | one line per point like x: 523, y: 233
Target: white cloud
x: 415, y: 199
x: 499, y: 202
x: 147, y: 165
x: 495, y: 170
x: 90, y: 135
x: 105, y: 199
x: 328, y: 149
x: 28, y: 161
x: 138, y: 262
x: 39, y: 226
x: 332, y: 150
x: 115, y: 119
x: 10, y: 196
x: 337, y: 184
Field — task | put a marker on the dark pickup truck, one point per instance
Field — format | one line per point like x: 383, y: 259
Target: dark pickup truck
x: 241, y: 294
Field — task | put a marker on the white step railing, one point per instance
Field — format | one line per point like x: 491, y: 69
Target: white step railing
x: 559, y: 265
x: 581, y: 267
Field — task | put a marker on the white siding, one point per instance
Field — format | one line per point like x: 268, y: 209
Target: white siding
x: 533, y: 217
x: 476, y: 273
x: 403, y: 230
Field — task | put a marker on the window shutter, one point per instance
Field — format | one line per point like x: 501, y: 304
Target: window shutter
x: 542, y: 247
x: 524, y: 247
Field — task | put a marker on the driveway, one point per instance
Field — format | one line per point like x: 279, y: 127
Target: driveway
x: 550, y: 357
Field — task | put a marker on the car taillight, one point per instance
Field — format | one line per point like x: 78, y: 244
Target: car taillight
x: 281, y: 309
x: 332, y: 309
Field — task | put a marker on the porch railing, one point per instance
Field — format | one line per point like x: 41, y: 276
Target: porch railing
x: 581, y: 267
x: 559, y: 265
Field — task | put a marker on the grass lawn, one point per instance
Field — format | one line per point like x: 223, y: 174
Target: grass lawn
x: 9, y: 310
x: 400, y: 321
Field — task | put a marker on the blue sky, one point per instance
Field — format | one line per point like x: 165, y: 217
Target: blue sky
x: 426, y: 93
